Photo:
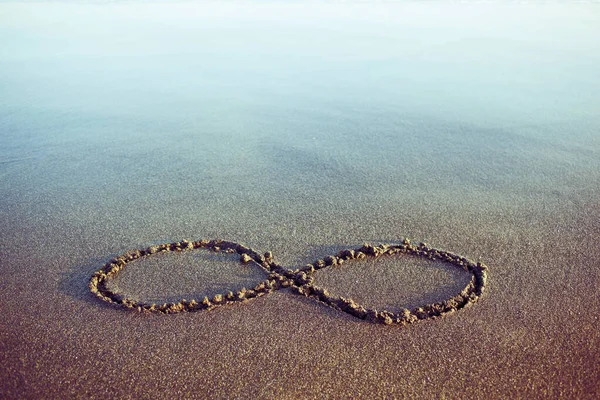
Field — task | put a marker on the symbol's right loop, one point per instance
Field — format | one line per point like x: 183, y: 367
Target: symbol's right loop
x: 468, y: 295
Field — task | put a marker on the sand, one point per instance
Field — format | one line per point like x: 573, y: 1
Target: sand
x: 99, y: 156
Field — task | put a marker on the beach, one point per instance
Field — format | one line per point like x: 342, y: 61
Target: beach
x: 302, y: 131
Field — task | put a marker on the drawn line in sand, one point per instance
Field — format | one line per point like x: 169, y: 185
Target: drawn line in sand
x: 300, y: 281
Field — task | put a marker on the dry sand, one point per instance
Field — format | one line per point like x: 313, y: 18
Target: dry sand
x: 301, y: 177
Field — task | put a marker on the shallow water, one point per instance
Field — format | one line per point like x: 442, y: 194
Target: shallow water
x: 302, y: 130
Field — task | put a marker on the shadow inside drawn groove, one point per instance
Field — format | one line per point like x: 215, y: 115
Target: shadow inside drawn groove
x: 74, y: 283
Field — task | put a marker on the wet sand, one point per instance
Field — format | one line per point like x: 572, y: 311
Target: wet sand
x: 534, y: 332
x: 302, y: 181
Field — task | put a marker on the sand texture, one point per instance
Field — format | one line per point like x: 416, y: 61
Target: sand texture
x: 134, y: 137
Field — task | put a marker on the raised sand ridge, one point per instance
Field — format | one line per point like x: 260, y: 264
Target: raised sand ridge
x: 299, y: 281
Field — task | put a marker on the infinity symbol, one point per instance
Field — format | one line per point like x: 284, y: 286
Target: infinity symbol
x: 299, y: 281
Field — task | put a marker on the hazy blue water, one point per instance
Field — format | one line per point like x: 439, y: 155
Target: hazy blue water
x: 302, y: 102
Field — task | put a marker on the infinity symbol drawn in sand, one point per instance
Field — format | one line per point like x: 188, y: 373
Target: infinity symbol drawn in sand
x: 300, y: 281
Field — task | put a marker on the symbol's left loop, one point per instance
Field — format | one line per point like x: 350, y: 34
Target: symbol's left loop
x: 99, y: 282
